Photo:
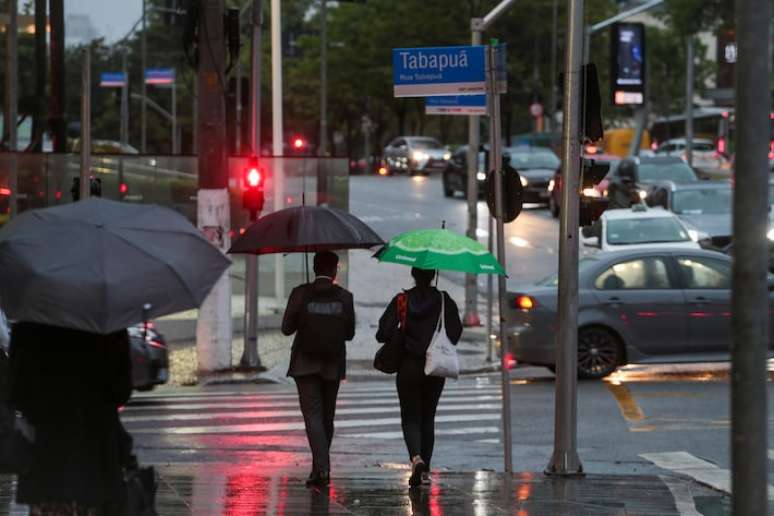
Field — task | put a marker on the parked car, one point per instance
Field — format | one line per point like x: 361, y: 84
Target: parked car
x: 416, y: 155
x: 536, y: 167
x: 706, y: 160
x: 655, y: 305
x: 638, y: 227
x: 150, y: 359
x: 455, y: 175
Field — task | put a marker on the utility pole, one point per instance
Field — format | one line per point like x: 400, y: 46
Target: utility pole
x: 175, y: 147
x: 125, y: 102
x: 85, y: 185
x: 41, y: 74
x: 11, y: 97
x: 552, y: 97
x: 565, y: 460
x: 143, y: 65
x: 689, y: 99
x: 250, y: 357
x: 56, y: 107
x: 277, y: 137
x: 324, y: 78
x: 750, y: 295
x: 214, y: 325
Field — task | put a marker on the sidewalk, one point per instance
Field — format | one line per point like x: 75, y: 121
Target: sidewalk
x: 373, y: 285
x: 213, y: 489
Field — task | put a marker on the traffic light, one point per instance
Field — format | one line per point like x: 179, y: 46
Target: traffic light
x: 253, y: 179
x: 591, y: 206
x: 298, y: 143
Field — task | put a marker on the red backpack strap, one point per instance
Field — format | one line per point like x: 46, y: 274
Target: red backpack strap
x: 402, y: 310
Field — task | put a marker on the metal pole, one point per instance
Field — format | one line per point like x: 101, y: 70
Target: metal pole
x: 175, y: 150
x: 250, y: 357
x: 324, y: 78
x: 12, y: 89
x: 238, y: 106
x: 689, y: 100
x: 143, y: 58
x: 565, y: 460
x: 277, y: 134
x: 125, y: 101
x: 490, y: 295
x: 750, y: 295
x: 554, y: 31
x: 57, y: 104
x: 471, y: 317
x: 86, y: 125
x: 195, y: 118
x: 496, y: 138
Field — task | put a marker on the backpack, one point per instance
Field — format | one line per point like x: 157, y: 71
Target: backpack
x: 325, y: 325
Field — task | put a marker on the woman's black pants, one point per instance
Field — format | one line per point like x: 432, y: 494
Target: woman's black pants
x: 419, y: 395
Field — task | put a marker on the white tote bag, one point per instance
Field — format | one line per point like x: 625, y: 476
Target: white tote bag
x: 441, y: 356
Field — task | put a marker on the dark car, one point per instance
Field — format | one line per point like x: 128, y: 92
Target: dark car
x: 455, y: 175
x: 150, y: 360
x: 660, y: 305
x: 536, y: 167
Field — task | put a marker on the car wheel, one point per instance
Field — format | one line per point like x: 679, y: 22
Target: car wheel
x: 553, y: 207
x: 599, y: 352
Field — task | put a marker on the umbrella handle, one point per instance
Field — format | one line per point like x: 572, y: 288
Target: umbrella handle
x: 146, y: 308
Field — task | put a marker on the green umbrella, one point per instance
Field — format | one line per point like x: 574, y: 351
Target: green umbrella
x: 440, y: 249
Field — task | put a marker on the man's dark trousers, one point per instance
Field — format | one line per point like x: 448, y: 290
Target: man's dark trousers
x: 317, y: 398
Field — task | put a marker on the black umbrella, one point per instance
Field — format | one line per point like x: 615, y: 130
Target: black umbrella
x: 303, y: 229
x: 94, y: 264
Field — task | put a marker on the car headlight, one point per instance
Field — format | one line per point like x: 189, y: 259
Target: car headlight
x: 447, y: 156
x: 524, y: 181
x: 643, y: 194
x: 551, y: 185
x: 770, y: 234
x: 481, y: 176
x: 419, y: 156
x: 591, y: 192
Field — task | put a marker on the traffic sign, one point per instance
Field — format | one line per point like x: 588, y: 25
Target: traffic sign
x: 456, y: 105
x: 112, y: 80
x: 160, y: 76
x: 432, y: 71
x: 536, y: 109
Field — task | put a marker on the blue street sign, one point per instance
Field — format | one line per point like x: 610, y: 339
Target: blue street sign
x: 456, y: 105
x: 431, y: 71
x: 160, y: 76
x: 112, y: 80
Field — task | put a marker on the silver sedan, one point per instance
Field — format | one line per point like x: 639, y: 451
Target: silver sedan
x: 641, y: 306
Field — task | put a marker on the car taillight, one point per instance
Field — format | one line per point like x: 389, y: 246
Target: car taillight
x: 525, y: 302
x: 156, y: 344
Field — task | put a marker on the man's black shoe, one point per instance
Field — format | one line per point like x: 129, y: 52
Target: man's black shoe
x: 318, y: 479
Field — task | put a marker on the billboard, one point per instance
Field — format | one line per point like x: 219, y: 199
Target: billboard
x: 627, y: 64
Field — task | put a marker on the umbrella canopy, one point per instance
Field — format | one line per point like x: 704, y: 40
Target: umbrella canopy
x: 92, y: 265
x: 303, y: 229
x: 440, y: 249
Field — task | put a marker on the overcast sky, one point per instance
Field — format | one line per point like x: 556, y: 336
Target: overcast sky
x: 111, y: 18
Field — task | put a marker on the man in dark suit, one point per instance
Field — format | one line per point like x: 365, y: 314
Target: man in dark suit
x: 322, y: 316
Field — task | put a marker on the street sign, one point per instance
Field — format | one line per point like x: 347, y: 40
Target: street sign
x: 112, y: 80
x: 536, y: 109
x: 160, y: 76
x: 456, y: 105
x: 432, y: 71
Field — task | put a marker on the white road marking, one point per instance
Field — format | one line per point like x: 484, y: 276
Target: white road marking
x: 290, y: 426
x: 273, y: 414
x: 771, y: 454
x: 683, y: 497
x: 696, y: 468
x: 438, y: 431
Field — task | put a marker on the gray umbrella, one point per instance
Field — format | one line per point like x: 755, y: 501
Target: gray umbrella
x: 94, y: 264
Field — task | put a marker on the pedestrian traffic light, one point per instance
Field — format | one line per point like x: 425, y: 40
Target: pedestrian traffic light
x: 299, y: 143
x: 252, y: 187
x: 591, y: 206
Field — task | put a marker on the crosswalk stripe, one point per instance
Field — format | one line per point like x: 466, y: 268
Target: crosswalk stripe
x: 297, y: 413
x: 694, y: 467
x: 439, y: 431
x: 293, y: 425
x: 249, y: 404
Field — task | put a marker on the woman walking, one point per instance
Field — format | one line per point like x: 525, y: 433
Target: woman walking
x: 68, y: 384
x: 420, y: 308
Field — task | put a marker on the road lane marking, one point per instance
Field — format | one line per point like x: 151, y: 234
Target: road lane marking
x: 438, y: 431
x: 682, y: 495
x: 696, y: 468
x: 290, y: 426
x: 273, y: 414
x: 629, y: 408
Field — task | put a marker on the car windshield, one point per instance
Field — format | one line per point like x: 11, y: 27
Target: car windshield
x: 425, y: 143
x: 645, y: 231
x: 702, y: 202
x: 677, y: 172
x: 553, y: 279
x: 531, y: 160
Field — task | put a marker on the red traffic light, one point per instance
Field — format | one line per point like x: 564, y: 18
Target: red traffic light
x: 253, y: 177
x: 123, y: 188
x: 298, y: 143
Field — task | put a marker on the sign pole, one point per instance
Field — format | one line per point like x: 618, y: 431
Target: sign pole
x: 496, y: 138
x: 565, y: 460
x: 175, y: 150
x: 85, y: 186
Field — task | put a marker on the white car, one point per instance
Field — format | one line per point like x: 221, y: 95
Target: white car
x: 640, y: 228
x: 706, y: 160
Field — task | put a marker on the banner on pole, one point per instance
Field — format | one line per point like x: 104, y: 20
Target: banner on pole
x: 112, y: 80
x: 160, y: 76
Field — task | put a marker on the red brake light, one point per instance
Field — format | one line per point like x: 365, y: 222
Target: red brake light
x: 298, y: 143
x: 123, y: 188
x: 5, y: 191
x: 525, y: 302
